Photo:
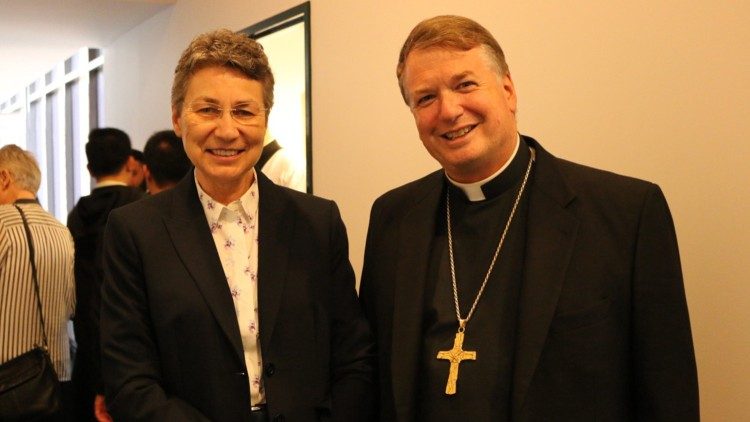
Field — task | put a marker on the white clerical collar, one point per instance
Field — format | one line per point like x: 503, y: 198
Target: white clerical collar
x: 474, y: 191
x: 106, y: 183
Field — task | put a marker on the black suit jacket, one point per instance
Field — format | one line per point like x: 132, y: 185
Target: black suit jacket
x: 171, y: 348
x: 86, y: 222
x: 603, y: 330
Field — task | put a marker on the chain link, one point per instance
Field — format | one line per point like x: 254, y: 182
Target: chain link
x: 463, y: 321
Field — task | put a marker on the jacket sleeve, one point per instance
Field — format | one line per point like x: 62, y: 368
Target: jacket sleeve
x: 130, y: 359
x: 352, y: 344
x: 665, y: 376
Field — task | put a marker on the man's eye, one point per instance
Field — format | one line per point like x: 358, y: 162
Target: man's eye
x: 466, y: 85
x: 424, y: 100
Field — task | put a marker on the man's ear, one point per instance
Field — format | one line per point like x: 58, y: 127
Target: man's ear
x: 5, y: 179
x: 132, y: 165
x: 151, y: 184
x: 509, y: 90
x: 6, y: 183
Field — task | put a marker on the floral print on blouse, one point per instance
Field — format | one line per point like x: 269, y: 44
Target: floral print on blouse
x: 234, y: 228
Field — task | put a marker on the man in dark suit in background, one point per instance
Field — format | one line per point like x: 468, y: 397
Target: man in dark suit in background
x: 164, y: 161
x: 229, y: 298
x: 110, y: 163
x: 513, y: 285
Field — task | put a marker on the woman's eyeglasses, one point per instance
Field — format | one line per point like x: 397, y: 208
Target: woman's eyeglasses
x: 244, y: 114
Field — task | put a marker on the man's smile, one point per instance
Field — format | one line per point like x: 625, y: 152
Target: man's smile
x: 458, y: 133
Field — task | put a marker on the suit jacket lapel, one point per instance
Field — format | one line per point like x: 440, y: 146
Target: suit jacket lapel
x: 191, y: 236
x: 416, y: 233
x: 551, y: 234
x: 274, y: 240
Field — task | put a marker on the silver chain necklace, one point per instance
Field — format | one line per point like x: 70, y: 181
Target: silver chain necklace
x: 457, y: 354
x: 463, y: 321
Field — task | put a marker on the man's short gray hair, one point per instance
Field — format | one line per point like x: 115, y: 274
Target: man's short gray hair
x: 22, y: 167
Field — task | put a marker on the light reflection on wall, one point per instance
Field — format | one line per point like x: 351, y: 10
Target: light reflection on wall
x: 286, y: 53
x: 13, y: 129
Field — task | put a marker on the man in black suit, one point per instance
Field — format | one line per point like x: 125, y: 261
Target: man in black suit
x: 229, y: 298
x: 112, y: 166
x: 513, y: 285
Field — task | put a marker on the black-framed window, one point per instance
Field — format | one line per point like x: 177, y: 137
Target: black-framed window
x: 55, y: 113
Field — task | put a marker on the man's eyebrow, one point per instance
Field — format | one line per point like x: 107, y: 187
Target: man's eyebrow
x: 462, y: 75
x: 453, y: 79
x: 421, y: 90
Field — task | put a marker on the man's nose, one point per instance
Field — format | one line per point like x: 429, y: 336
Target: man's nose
x: 450, y: 106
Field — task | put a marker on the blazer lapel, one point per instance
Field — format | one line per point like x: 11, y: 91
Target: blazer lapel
x: 191, y: 237
x: 551, y: 235
x: 416, y: 233
x: 274, y: 240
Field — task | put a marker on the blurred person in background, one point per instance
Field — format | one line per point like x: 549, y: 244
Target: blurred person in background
x: 110, y: 163
x: 164, y: 161
x: 137, y: 175
x: 20, y: 325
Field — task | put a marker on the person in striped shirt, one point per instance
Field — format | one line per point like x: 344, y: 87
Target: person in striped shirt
x: 20, y: 326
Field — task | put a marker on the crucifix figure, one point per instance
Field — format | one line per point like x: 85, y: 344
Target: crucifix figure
x: 455, y: 356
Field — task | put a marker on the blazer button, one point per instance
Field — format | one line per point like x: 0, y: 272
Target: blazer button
x: 279, y: 418
x: 270, y: 370
x: 241, y: 374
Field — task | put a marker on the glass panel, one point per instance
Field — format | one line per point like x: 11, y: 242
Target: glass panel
x: 72, y: 131
x: 31, y: 127
x: 95, y: 82
x: 94, y: 53
x: 50, y: 148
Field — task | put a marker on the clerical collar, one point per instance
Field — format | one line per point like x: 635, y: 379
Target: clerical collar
x: 108, y: 183
x: 501, y: 180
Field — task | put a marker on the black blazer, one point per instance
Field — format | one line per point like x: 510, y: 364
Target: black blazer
x: 603, y: 330
x: 171, y: 348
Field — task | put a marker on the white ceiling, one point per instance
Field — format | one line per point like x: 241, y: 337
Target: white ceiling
x: 37, y: 34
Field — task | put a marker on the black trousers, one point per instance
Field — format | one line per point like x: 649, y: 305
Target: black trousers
x: 260, y: 415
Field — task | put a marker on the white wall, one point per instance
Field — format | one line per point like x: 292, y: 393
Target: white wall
x: 656, y: 90
x: 13, y: 129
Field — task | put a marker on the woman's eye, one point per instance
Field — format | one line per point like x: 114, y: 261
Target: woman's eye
x: 209, y: 111
x: 241, y: 112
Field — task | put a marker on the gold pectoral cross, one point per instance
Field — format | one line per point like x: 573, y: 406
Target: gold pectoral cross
x: 455, y: 356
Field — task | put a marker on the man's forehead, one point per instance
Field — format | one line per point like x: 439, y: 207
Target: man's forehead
x: 451, y: 63
x: 448, y: 55
x: 444, y: 50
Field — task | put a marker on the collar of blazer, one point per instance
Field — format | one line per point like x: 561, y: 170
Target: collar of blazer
x: 186, y: 223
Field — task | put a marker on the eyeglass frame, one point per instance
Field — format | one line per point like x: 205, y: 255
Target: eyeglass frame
x: 192, y: 109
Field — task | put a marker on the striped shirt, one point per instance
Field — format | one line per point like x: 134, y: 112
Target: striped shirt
x: 20, y: 327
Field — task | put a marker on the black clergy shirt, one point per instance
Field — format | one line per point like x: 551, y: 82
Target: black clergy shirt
x: 483, y: 387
